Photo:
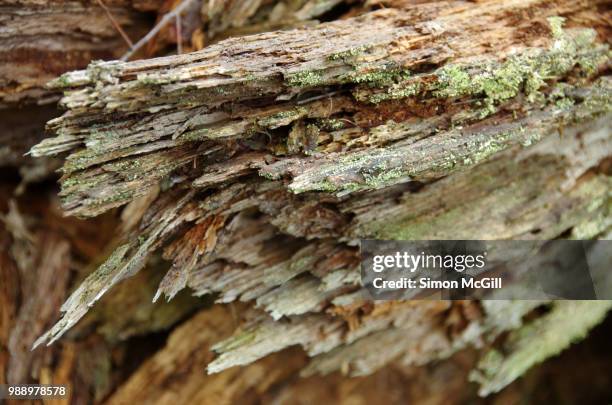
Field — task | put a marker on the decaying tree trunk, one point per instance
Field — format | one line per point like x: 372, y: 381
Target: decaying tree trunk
x: 249, y: 170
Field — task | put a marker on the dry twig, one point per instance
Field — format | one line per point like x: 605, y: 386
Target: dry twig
x: 116, y: 24
x: 165, y: 19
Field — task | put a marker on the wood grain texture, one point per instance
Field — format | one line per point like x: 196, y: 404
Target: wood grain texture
x: 254, y: 166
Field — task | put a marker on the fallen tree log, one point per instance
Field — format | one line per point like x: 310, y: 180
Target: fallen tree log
x: 264, y: 159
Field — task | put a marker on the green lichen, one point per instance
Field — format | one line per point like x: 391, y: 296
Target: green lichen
x: 71, y: 182
x: 382, y: 178
x: 564, y: 103
x: 600, y: 100
x: 348, y: 55
x: 331, y: 124
x: 482, y: 149
x: 324, y: 185
x: 556, y: 26
x: 156, y: 79
x: 124, y: 165
x: 396, y: 92
x: 497, y: 82
x: 282, y: 118
x: 76, y: 163
x: 268, y: 175
x: 411, y: 228
x: 594, y: 226
x: 113, y: 261
x: 219, y: 90
x: 101, y: 71
x: 310, y: 78
x: 122, y: 196
x: 526, y: 72
x: 494, y: 82
x: 196, y: 135
x: 79, y: 183
x: 148, y: 81
x: 111, y: 264
x: 374, y: 176
x: 381, y: 168
x: 62, y: 81
x: 453, y: 81
x: 378, y: 77
x: 300, y: 263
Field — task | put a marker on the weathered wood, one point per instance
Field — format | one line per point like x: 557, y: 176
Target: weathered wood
x: 43, y: 39
x: 40, y: 40
x: 43, y: 256
x: 256, y: 164
x: 186, y: 351
x: 207, y: 98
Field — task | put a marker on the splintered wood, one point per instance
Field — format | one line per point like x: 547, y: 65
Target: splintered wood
x: 260, y: 161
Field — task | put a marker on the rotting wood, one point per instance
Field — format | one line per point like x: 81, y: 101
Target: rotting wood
x: 275, y: 153
x: 43, y: 39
